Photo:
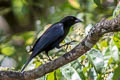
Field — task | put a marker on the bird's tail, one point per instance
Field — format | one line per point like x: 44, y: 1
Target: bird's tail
x: 25, y: 65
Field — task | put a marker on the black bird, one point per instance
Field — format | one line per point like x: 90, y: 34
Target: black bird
x: 52, y: 37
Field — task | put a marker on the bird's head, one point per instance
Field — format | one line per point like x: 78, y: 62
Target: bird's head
x: 70, y: 20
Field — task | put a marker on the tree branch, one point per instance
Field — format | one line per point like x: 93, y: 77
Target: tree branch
x: 104, y: 26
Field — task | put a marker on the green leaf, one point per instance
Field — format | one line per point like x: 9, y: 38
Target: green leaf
x: 67, y: 71
x: 115, y: 53
x: 51, y: 76
x: 98, y: 3
x: 116, y: 73
x: 117, y: 10
x: 8, y: 51
x: 27, y: 35
x: 92, y: 74
x: 116, y: 39
x: 78, y: 68
x: 70, y: 72
x: 59, y: 75
x: 99, y: 77
x: 56, y: 75
x: 74, y: 71
x: 110, y: 61
x: 96, y: 59
x: 106, y: 52
x: 21, y: 11
x: 103, y: 44
x: 1, y: 57
x: 83, y: 57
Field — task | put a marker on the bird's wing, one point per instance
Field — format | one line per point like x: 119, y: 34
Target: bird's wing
x: 50, y: 36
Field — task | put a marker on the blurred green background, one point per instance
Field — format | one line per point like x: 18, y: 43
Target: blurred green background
x: 23, y: 21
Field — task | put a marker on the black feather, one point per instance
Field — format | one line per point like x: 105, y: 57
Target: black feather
x: 52, y: 37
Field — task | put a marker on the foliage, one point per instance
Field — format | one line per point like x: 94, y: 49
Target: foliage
x: 100, y: 63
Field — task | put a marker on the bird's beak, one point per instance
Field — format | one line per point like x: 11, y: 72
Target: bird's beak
x: 77, y: 20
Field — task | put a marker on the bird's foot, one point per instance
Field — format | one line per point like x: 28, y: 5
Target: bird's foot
x: 67, y: 44
x: 49, y: 58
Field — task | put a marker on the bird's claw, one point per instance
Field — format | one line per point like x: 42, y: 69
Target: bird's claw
x: 70, y: 43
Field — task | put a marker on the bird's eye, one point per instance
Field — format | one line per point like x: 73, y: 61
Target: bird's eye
x: 72, y: 18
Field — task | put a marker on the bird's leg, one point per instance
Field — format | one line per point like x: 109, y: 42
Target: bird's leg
x: 48, y: 56
x: 65, y: 44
